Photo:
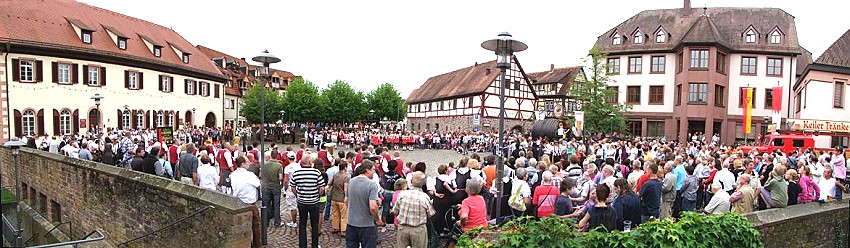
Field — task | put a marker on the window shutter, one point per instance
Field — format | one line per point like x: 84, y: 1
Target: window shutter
x: 102, y: 76
x: 197, y: 88
x: 75, y: 121
x: 170, y: 84
x: 86, y: 74
x: 133, y: 121
x: 120, y: 120
x: 160, y: 83
x: 216, y: 90
x: 837, y: 95
x: 186, y: 86
x: 55, y: 71
x: 177, y: 120
x: 19, y: 124
x: 141, y: 78
x: 147, y: 119
x: 127, y: 79
x: 39, y: 76
x: 16, y: 70
x: 56, y: 122
x: 39, y: 123
x: 75, y: 77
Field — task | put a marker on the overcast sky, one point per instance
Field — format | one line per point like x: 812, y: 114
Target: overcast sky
x: 367, y: 43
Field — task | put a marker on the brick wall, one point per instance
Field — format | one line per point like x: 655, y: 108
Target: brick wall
x: 125, y: 204
x: 808, y: 225
x: 462, y: 123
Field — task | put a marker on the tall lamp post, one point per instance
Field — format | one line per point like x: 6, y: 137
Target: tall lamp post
x: 15, y: 144
x: 266, y: 59
x: 504, y: 46
x: 97, y: 97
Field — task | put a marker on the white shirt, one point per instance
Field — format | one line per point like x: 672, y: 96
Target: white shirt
x: 725, y: 178
x: 525, y: 191
x: 208, y: 177
x: 245, y: 185
x: 719, y: 203
x: 827, y: 188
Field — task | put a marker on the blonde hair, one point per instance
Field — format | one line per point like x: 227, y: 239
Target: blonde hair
x: 794, y: 175
x: 473, y: 164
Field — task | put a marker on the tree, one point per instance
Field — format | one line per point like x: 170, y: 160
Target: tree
x: 252, y: 105
x: 342, y: 104
x: 386, y: 101
x: 591, y: 94
x: 301, y: 102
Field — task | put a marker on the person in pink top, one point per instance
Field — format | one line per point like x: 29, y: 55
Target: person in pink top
x: 839, y: 170
x: 810, y: 189
x: 473, y: 210
x: 545, y: 196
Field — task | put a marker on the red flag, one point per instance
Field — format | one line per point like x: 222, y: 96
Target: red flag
x: 747, y: 105
x: 777, y: 99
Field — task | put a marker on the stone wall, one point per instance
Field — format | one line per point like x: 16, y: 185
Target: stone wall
x: 125, y: 204
x: 462, y: 123
x: 807, y: 225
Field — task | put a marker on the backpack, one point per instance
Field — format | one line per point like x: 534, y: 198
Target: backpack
x: 606, y: 218
x: 388, y: 180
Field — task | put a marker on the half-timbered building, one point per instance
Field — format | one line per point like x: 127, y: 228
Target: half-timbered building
x: 455, y: 100
x: 553, y: 90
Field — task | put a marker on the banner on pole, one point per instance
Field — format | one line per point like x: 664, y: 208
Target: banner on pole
x: 579, y: 120
x: 747, y: 105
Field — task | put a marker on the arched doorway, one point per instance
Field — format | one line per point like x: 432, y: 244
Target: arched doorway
x: 94, y: 119
x: 209, y: 121
x: 188, y: 119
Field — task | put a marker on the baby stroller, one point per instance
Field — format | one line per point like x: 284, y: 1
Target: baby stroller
x: 451, y: 233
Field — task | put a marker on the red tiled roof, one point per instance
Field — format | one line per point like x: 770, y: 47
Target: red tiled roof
x: 47, y: 23
x: 466, y: 81
x: 838, y: 54
x: 235, y: 73
x: 567, y: 75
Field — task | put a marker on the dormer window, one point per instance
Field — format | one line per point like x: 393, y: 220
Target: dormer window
x: 638, y: 38
x: 122, y: 43
x: 660, y: 37
x: 86, y: 36
x: 751, y: 36
x: 185, y: 58
x: 157, y: 51
x: 617, y: 40
x: 219, y: 62
x: 775, y: 37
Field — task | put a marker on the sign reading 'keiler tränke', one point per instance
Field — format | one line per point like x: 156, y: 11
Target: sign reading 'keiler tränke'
x: 819, y: 126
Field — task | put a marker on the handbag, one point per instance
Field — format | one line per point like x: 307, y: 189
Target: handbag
x: 516, y: 200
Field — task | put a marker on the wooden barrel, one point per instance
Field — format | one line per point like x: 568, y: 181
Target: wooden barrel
x: 545, y: 128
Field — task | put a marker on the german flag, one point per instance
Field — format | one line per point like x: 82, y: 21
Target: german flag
x: 748, y: 108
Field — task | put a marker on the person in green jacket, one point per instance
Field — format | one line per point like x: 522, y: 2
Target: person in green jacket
x: 774, y: 194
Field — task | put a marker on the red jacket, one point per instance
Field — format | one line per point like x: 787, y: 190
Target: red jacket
x: 221, y: 160
x: 172, y: 154
x: 298, y: 155
x: 400, y: 167
x: 323, y: 155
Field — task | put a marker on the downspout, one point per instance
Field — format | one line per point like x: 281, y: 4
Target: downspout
x: 8, y: 107
x: 790, y: 82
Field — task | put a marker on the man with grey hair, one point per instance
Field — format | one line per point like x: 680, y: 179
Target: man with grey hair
x: 473, y: 209
x: 608, y: 178
x: 668, y: 190
x: 521, y: 185
x: 413, y: 209
x: 719, y: 203
x: 637, y: 172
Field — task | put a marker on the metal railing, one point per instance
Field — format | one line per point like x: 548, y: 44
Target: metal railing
x: 204, y: 209
x: 10, y: 233
x: 85, y: 239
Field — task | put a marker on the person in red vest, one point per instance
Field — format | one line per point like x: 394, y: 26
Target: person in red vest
x: 224, y: 159
x: 173, y: 152
x: 358, y: 156
x: 325, y: 156
x: 255, y: 151
x: 300, y: 153
x: 400, y: 168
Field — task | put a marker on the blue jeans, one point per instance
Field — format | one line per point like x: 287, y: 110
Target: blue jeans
x: 328, y: 209
x: 838, y: 192
x: 688, y: 205
x: 271, y: 199
x: 388, y: 198
x: 365, y: 237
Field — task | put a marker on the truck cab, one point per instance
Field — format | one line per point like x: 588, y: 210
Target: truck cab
x: 784, y: 142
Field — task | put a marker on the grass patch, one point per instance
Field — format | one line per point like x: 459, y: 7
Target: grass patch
x: 6, y: 196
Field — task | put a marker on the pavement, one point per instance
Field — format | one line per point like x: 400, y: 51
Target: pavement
x: 288, y: 237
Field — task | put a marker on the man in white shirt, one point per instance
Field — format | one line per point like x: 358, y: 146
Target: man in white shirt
x: 245, y: 187
x: 719, y: 203
x: 725, y: 178
x: 207, y: 175
x: 290, y: 202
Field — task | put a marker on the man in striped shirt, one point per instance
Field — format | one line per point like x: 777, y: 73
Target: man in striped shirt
x: 308, y: 185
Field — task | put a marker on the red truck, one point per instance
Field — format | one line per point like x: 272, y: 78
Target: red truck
x: 785, y: 143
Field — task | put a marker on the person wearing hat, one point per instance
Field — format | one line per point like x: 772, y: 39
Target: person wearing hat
x: 290, y: 202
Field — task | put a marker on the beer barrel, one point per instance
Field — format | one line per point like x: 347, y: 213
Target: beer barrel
x: 545, y: 128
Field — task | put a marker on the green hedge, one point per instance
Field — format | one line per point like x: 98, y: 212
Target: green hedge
x: 692, y: 230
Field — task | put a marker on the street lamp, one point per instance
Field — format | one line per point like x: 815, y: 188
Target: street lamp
x: 97, y: 97
x: 504, y: 46
x: 15, y: 144
x: 266, y: 59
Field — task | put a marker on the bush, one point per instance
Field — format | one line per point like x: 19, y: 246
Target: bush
x: 692, y: 230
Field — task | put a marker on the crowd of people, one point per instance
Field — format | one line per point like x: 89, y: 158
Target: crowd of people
x: 606, y: 182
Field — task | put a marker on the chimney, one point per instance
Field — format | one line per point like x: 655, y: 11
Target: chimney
x: 551, y: 67
x: 487, y: 72
x: 687, y: 8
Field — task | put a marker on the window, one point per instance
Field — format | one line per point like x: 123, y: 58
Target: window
x: 157, y: 51
x: 28, y: 124
x: 615, y: 94
x: 656, y: 94
x: 719, y: 95
x: 617, y: 40
x: 768, y: 98
x: 799, y: 102
x: 655, y: 128
x: 159, y: 119
x: 169, y: 120
x: 165, y: 83
x: 681, y: 60
x: 516, y: 85
x: 775, y: 37
x: 185, y: 58
x: 133, y: 80
x: 86, y: 36
x: 836, y: 141
x: 122, y: 43
x: 93, y: 76
x: 633, y: 94
x: 190, y: 87
x: 140, y: 119
x: 657, y: 64
x: 56, y: 214
x: 613, y: 65
x: 741, y: 97
x: 774, y: 66
x: 638, y: 38
x: 778, y: 142
x: 64, y: 73
x: 699, y: 59
x: 204, y: 89
x: 635, y: 128
x: 126, y: 120
x: 635, y: 64
x: 470, y: 101
x: 751, y: 36
x: 27, y: 69
x: 838, y: 95
x: 65, y: 122
x: 721, y: 63
x: 748, y: 65
x: 660, y: 37
x: 678, y: 95
x: 697, y: 93
x: 230, y: 104
x: 797, y: 143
